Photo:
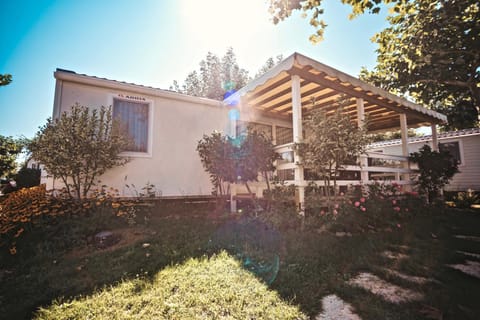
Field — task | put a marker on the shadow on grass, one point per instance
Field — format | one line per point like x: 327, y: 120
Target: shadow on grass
x: 311, y: 264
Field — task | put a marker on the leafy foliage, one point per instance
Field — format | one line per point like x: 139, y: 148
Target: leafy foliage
x: 431, y: 52
x: 330, y: 142
x: 216, y: 154
x: 269, y: 64
x: 9, y: 150
x: 215, y: 77
x: 282, y: 9
x: 255, y: 155
x: 230, y: 160
x: 436, y: 169
x: 32, y: 208
x: 5, y: 79
x: 80, y: 146
x: 465, y: 199
x: 27, y: 177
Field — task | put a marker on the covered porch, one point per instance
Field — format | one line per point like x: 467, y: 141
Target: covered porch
x: 297, y: 85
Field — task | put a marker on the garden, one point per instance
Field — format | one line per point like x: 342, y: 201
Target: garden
x: 183, y: 260
x: 372, y: 251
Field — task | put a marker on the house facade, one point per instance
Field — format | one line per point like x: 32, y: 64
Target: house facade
x: 166, y: 126
x: 463, y: 145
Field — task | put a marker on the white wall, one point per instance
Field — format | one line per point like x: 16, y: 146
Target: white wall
x: 469, y: 175
x: 179, y: 122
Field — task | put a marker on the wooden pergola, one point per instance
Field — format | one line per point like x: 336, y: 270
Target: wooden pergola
x: 298, y: 84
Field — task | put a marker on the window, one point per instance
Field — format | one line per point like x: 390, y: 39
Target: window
x: 453, y: 148
x: 135, y: 117
x: 244, y: 126
x: 284, y: 135
x: 286, y: 174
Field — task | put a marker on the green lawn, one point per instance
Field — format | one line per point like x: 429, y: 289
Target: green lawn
x: 173, y: 267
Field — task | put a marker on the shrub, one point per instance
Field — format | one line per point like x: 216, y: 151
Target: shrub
x: 465, y: 199
x: 37, y: 208
x: 436, y: 169
x: 79, y: 146
x: 282, y: 212
x: 28, y: 177
x: 375, y: 205
x: 18, y: 211
x: 385, y: 205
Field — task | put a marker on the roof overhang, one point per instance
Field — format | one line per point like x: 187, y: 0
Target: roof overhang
x: 322, y: 86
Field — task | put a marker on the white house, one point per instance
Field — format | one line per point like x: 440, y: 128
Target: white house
x: 166, y: 125
x: 464, y: 145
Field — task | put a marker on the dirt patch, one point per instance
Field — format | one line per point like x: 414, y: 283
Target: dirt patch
x: 336, y: 308
x: 128, y: 236
x: 387, y: 291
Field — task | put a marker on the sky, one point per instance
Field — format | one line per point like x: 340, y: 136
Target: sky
x: 153, y: 42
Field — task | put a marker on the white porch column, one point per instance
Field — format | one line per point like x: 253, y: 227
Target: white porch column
x: 434, y: 137
x: 404, y: 133
x: 233, y: 116
x: 363, y: 158
x: 297, y: 138
x: 233, y: 201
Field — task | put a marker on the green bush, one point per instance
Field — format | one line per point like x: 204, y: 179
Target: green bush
x: 28, y: 177
x: 38, y: 210
x: 281, y: 211
x: 436, y: 169
x: 465, y: 199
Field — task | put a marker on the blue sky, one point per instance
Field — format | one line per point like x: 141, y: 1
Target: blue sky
x: 153, y: 43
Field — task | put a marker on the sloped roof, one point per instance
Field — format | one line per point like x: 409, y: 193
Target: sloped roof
x: 72, y: 76
x: 426, y: 138
x: 272, y: 94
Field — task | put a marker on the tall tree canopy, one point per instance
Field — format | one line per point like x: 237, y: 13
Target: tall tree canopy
x: 430, y: 52
x: 218, y: 76
x: 313, y: 9
x: 215, y: 77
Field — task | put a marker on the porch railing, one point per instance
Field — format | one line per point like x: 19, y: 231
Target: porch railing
x: 379, y: 166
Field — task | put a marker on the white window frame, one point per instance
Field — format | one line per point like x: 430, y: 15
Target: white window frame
x: 460, y: 147
x: 140, y: 99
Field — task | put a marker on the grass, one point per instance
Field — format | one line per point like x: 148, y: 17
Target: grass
x: 207, y: 288
x: 182, y: 272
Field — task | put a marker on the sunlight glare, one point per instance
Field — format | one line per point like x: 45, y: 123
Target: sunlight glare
x: 213, y: 23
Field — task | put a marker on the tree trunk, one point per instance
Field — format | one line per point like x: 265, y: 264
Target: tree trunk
x: 253, y: 198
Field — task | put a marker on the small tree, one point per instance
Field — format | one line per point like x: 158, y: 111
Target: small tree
x: 80, y: 146
x: 330, y: 142
x: 229, y: 161
x: 9, y: 150
x: 256, y: 155
x: 436, y: 169
x: 216, y: 154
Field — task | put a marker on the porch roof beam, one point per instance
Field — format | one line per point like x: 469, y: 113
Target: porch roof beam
x: 349, y: 90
